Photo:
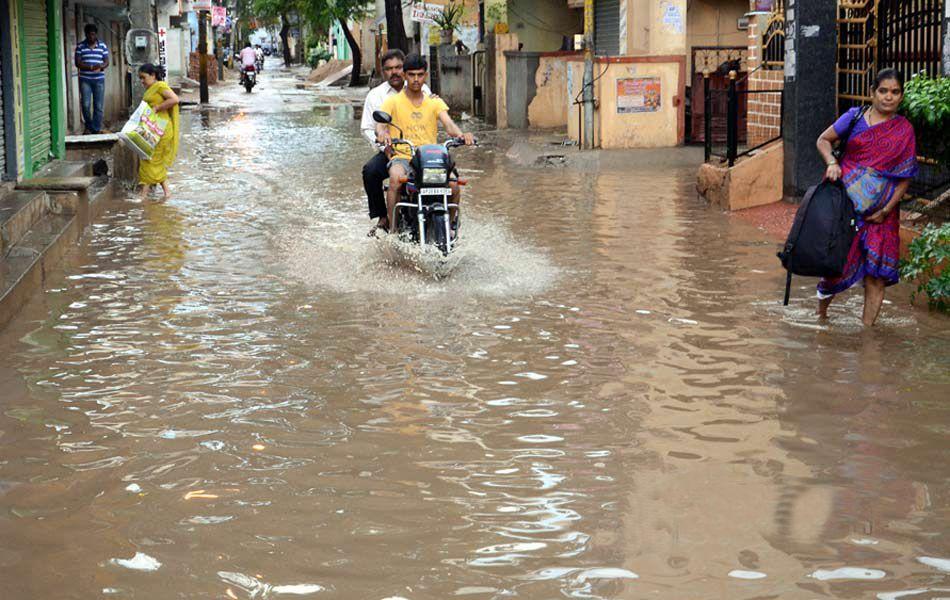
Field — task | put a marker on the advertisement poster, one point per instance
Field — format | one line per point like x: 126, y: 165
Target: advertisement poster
x: 219, y: 15
x: 764, y: 5
x: 638, y: 94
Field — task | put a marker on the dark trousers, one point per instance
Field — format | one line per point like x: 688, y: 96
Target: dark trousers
x: 375, y: 172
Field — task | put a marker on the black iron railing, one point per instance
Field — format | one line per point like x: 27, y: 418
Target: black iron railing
x: 750, y: 120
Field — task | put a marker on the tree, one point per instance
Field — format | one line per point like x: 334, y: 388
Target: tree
x: 395, y: 30
x: 278, y: 11
x: 326, y: 12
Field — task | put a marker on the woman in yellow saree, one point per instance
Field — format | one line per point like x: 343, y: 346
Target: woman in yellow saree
x: 164, y: 101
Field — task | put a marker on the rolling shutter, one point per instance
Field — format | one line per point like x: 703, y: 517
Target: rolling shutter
x: 607, y: 27
x: 36, y: 82
x: 3, y: 136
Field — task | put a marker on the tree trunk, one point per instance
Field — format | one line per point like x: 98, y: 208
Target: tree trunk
x: 284, y: 33
x: 395, y: 31
x: 355, y: 51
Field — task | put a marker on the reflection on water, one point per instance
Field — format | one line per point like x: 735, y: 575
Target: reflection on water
x: 239, y: 395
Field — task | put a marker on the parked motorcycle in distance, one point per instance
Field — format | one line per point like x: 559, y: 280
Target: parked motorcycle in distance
x: 249, y: 78
x: 423, y: 212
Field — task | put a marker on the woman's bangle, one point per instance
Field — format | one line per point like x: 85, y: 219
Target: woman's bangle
x: 832, y: 162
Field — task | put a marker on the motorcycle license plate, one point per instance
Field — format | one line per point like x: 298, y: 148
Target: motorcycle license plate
x: 435, y: 192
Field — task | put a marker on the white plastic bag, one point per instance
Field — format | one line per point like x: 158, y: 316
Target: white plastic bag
x: 143, y: 131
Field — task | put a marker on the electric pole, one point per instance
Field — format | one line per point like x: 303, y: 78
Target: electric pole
x: 588, y: 140
x: 203, y: 55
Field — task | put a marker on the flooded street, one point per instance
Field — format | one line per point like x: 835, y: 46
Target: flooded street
x: 237, y: 394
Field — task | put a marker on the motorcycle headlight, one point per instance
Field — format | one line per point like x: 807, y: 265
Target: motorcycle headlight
x: 437, y: 176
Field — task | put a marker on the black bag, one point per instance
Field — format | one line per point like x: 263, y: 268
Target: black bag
x: 821, y: 236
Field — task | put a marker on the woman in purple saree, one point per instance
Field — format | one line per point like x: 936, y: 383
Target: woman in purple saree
x: 879, y: 162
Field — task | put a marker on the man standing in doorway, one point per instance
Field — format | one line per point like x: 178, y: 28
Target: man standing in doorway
x: 92, y: 58
x: 376, y: 170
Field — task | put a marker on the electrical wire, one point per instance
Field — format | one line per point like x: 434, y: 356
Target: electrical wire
x: 592, y: 82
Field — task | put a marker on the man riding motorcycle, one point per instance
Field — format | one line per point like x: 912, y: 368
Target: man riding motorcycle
x: 259, y: 52
x: 418, y: 116
x: 376, y: 170
x: 248, y: 59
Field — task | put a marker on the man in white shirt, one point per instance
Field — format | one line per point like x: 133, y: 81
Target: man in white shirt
x: 248, y: 56
x: 376, y: 171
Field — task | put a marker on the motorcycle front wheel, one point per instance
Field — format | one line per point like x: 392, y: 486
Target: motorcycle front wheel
x: 436, y: 232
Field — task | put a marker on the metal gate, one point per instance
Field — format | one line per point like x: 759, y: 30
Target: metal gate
x: 36, y: 82
x: 857, y: 51
x: 607, y: 27
x: 910, y: 37
x: 875, y: 34
x: 717, y: 61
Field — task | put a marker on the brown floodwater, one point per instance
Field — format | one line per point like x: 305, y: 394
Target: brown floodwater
x: 237, y: 394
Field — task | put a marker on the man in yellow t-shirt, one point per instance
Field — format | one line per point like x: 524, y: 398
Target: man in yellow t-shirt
x: 418, y: 116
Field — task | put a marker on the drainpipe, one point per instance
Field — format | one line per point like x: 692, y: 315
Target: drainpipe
x: 588, y: 139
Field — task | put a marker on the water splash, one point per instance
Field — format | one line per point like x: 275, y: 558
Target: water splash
x: 489, y: 261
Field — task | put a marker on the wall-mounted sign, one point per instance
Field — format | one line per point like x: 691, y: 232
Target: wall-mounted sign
x: 638, y: 94
x: 424, y: 13
x: 219, y: 15
x: 200, y: 5
x: 764, y: 5
x: 162, y: 39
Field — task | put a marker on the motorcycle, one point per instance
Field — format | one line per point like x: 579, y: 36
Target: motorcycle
x: 249, y: 78
x: 422, y: 213
x: 259, y: 63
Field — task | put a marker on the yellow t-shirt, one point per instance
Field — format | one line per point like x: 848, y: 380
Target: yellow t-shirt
x: 420, y: 124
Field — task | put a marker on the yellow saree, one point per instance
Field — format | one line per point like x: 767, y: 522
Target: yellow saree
x: 155, y: 171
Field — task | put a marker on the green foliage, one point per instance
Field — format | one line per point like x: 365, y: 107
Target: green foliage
x: 929, y: 253
x: 450, y: 17
x: 927, y: 106
x: 496, y: 13
x: 269, y: 11
x: 315, y: 55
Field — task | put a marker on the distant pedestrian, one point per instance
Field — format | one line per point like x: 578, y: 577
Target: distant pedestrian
x: 879, y: 162
x: 92, y: 59
x: 164, y: 101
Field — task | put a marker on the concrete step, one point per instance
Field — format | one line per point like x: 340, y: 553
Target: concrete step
x: 18, y: 212
x: 66, y: 168
x: 77, y: 183
x: 24, y: 268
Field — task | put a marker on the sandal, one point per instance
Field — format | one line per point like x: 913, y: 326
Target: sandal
x: 378, y: 226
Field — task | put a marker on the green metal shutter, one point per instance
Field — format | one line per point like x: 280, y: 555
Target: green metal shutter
x: 607, y: 27
x: 36, y: 81
x: 3, y: 136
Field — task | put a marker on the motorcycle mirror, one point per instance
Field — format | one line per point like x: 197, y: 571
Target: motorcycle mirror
x: 382, y: 117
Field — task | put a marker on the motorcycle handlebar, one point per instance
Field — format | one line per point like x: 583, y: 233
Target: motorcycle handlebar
x: 449, y: 143
x: 458, y: 141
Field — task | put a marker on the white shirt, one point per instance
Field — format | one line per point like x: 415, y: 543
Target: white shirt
x: 374, y: 101
x: 248, y: 56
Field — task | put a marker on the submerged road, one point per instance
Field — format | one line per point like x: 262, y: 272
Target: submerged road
x: 236, y: 394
